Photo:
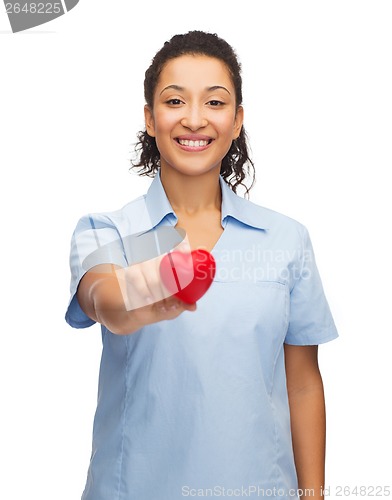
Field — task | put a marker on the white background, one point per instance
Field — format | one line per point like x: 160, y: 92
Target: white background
x: 317, y: 96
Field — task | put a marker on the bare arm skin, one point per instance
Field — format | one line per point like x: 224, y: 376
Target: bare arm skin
x: 100, y: 297
x: 307, y: 413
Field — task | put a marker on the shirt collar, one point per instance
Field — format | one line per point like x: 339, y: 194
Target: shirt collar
x: 245, y: 211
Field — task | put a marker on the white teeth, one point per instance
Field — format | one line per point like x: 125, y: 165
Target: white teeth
x: 192, y: 144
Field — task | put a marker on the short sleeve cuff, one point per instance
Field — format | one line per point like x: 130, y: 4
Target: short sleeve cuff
x: 326, y: 335
x: 75, y: 316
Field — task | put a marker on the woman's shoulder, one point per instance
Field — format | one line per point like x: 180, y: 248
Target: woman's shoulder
x: 269, y: 218
x: 134, y: 217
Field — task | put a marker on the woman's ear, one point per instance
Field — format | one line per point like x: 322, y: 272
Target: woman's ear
x: 149, y: 120
x: 238, y: 122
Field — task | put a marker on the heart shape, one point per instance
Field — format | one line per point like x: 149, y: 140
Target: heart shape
x: 188, y: 275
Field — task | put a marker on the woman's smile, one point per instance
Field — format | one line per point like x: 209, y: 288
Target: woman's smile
x: 193, y: 142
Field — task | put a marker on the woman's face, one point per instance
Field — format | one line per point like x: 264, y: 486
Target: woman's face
x: 194, y: 117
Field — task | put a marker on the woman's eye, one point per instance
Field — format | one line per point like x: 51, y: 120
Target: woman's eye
x: 174, y: 102
x: 214, y: 102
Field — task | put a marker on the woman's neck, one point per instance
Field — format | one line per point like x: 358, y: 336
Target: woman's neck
x: 191, y: 195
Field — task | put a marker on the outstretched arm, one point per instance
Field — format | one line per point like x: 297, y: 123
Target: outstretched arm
x: 100, y: 297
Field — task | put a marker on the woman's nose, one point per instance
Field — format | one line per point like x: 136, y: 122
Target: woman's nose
x: 194, y: 118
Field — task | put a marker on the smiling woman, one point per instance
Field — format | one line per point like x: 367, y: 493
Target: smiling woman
x: 225, y: 393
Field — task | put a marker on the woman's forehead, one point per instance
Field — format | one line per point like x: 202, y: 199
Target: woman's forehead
x: 188, y: 70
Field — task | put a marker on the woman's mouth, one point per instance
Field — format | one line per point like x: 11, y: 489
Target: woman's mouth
x: 193, y: 144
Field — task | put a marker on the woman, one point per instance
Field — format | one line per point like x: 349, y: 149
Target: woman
x: 223, y: 397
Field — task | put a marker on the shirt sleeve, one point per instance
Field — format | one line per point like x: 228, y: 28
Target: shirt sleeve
x: 310, y: 318
x: 95, y: 241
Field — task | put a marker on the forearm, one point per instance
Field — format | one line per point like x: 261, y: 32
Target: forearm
x: 109, y: 310
x: 308, y: 426
x: 100, y: 297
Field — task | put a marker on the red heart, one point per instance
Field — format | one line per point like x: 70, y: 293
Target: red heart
x: 185, y: 278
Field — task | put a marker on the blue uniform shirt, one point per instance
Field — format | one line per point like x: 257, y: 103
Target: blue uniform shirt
x: 197, y: 406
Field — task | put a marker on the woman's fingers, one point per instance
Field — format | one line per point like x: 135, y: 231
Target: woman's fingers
x: 141, y: 285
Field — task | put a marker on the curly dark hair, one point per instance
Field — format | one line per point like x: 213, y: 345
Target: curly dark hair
x: 236, y: 165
